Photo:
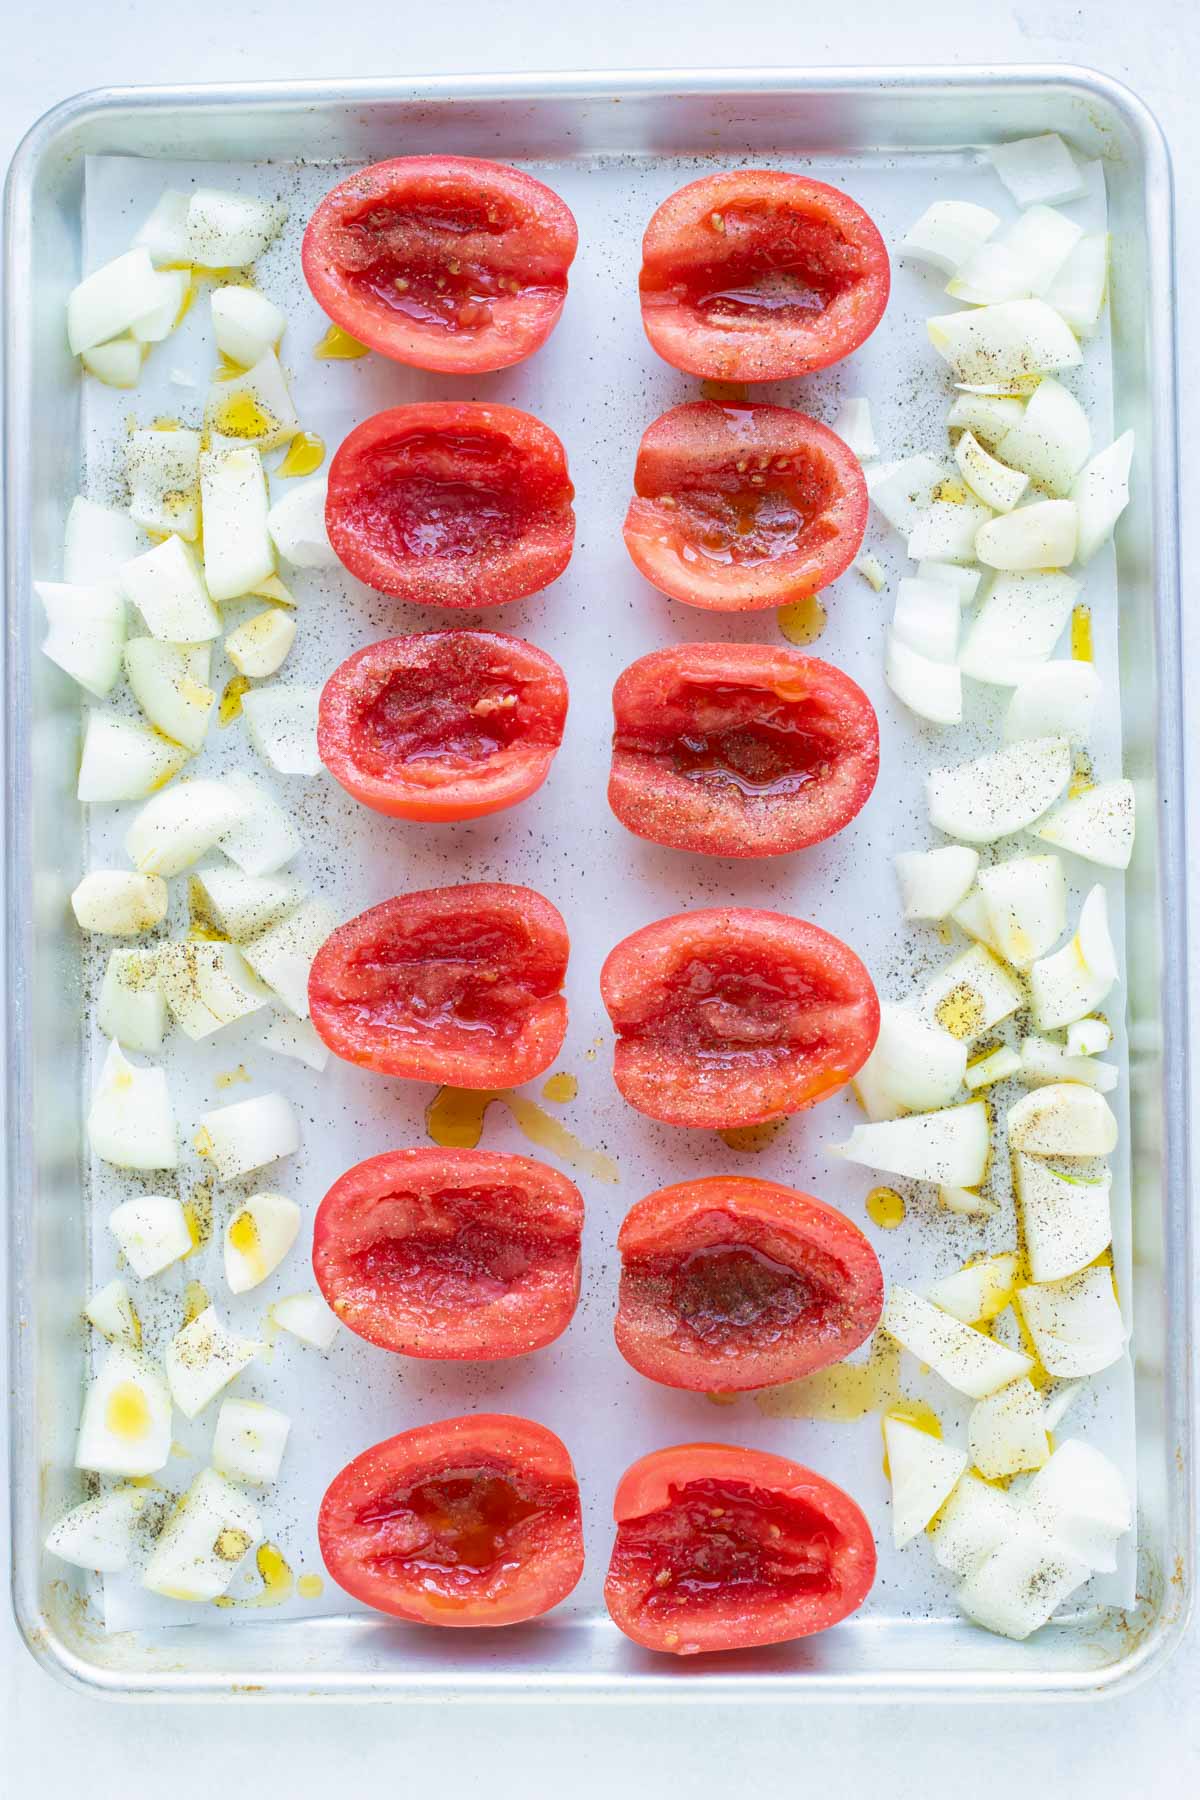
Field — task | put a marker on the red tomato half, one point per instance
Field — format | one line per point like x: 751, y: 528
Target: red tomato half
x: 720, y: 1549
x: 739, y: 507
x: 455, y: 984
x: 443, y: 724
x: 472, y: 1521
x: 740, y: 749
x: 731, y: 1283
x: 449, y: 504
x: 759, y: 275
x: 732, y: 1016
x: 445, y: 262
x: 451, y: 1253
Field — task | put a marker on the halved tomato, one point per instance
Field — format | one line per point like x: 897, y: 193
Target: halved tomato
x: 455, y: 984
x: 740, y: 749
x: 758, y: 275
x: 739, y: 507
x: 720, y: 1549
x: 443, y: 724
x: 451, y: 504
x: 730, y: 1283
x: 731, y: 1016
x: 462, y: 1254
x: 445, y: 262
x: 471, y: 1521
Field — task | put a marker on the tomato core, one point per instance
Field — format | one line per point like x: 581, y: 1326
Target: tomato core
x: 717, y: 1007
x: 414, y: 718
x: 475, y: 1265
x: 715, y: 1536
x: 781, y: 264
x: 750, y: 511
x: 413, y: 512
x: 729, y: 1293
x: 460, y: 1520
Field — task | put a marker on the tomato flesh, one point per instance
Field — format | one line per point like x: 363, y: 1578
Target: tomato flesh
x: 759, y: 275
x: 458, y: 985
x: 448, y: 263
x: 443, y: 725
x: 468, y: 1522
x: 722, y: 1549
x: 732, y: 1017
x: 739, y: 507
x: 461, y: 1254
x: 451, y: 504
x: 740, y: 749
x: 729, y: 1283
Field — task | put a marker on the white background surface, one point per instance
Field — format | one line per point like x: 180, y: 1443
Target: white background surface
x: 64, y: 1743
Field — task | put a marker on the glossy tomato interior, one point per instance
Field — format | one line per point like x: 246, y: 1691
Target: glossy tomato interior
x: 743, y: 506
x: 450, y: 263
x: 458, y: 985
x: 468, y: 1522
x: 729, y: 1283
x: 462, y: 1254
x: 443, y: 724
x: 740, y: 750
x: 728, y: 1018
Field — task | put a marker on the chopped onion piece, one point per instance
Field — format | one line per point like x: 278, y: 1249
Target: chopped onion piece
x: 1022, y: 262
x: 265, y: 838
x: 207, y: 985
x: 171, y: 289
x: 245, y: 324
x: 947, y: 234
x: 872, y: 571
x: 899, y: 490
x: 1064, y: 1119
x: 1052, y: 439
x: 922, y: 1471
x: 199, y: 1549
x: 948, y: 531
x: 165, y: 586
x: 932, y: 882
x: 85, y: 631
x: 241, y: 905
x: 972, y: 916
x: 1066, y: 1218
x: 998, y: 1066
x: 237, y: 547
x: 1017, y: 628
x: 227, y: 231
x: 1026, y: 899
x: 1101, y: 494
x: 992, y: 346
x: 976, y: 1293
x: 970, y: 1361
x: 259, y: 647
x: 965, y: 582
x: 989, y: 416
x: 249, y: 1441
x: 297, y: 526
x: 124, y: 759
x: 933, y: 690
x: 168, y: 683
x: 248, y: 1135
x: 163, y: 468
x: 308, y: 1318
x: 203, y: 1358
x: 164, y: 233
x: 1007, y: 1431
x: 1040, y: 536
x: 1077, y: 291
x: 972, y: 993
x: 913, y: 1067
x: 853, y: 425
x: 1081, y: 1500
x: 110, y: 300
x: 152, y: 1232
x: 996, y: 794
x: 118, y: 364
x: 126, y: 1423
x: 99, y: 1533
x: 1038, y: 170
x: 1059, y: 699
x: 254, y: 407
x: 1014, y: 1590
x: 974, y: 1521
x: 1097, y: 824
x: 1042, y: 1060
x: 283, y: 727
x: 1079, y: 977
x: 948, y: 1147
x: 997, y: 487
x: 119, y: 902
x: 112, y: 1313
x: 971, y: 1205
x: 282, y: 955
x: 258, y: 1238
x: 1075, y: 1324
x: 98, y: 539
x: 174, y: 829
x: 926, y: 618
x: 132, y: 1122
x: 131, y: 1007
x: 1089, y: 1037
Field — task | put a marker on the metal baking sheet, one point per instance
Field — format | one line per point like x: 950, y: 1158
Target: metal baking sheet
x: 597, y: 384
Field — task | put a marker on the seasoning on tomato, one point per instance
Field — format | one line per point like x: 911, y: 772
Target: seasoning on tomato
x: 443, y: 724
x: 464, y: 1254
x: 742, y: 506
x: 459, y: 985
x: 740, y: 749
x: 730, y: 1283
x: 720, y: 1549
x: 731, y: 1016
x: 445, y: 262
x: 758, y: 275
x: 470, y: 1521
x: 450, y: 503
